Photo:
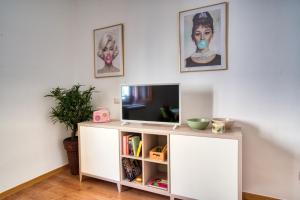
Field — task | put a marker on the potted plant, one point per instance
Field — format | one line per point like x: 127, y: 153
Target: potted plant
x: 72, y: 106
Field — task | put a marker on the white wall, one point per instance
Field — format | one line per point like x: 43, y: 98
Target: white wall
x: 35, y: 43
x: 260, y: 89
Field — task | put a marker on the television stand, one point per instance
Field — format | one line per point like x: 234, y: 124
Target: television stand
x: 175, y: 126
x: 124, y: 123
x: 194, y: 162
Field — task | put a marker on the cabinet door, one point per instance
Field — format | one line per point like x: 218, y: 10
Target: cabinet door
x: 204, y: 168
x: 99, y: 152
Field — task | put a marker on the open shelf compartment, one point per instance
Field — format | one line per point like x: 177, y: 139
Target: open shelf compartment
x: 130, y: 145
x: 154, y: 140
x: 155, y: 171
x: 134, y: 170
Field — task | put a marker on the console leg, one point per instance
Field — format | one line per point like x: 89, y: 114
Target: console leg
x: 119, y: 187
x: 80, y: 177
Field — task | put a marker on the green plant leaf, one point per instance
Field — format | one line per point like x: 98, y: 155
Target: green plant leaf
x: 72, y: 106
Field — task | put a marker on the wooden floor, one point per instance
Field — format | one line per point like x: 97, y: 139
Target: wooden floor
x: 65, y: 186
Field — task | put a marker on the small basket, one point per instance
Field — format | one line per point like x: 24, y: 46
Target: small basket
x: 158, y: 153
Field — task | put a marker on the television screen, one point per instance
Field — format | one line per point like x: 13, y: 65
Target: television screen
x: 151, y: 103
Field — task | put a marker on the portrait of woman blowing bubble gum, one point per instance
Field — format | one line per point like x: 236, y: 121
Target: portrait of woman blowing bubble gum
x: 202, y: 34
x: 108, y: 51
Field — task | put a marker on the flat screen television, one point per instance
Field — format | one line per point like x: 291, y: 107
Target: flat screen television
x: 152, y: 103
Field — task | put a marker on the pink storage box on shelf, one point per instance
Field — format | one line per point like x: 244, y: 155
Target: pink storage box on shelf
x: 101, y: 115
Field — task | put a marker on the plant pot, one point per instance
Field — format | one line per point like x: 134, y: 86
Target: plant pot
x: 71, y: 146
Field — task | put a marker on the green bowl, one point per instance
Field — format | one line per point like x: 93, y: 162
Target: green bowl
x: 199, y: 124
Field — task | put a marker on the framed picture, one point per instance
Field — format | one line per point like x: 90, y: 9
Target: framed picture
x: 109, y: 51
x: 203, y: 38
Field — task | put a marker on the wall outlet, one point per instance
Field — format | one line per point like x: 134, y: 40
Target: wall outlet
x: 116, y: 100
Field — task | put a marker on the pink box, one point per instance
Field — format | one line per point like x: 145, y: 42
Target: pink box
x: 101, y: 115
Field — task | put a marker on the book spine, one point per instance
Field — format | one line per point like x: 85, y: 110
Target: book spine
x: 130, y: 151
x: 124, y: 144
x: 139, y: 149
x: 127, y: 144
x: 135, y: 144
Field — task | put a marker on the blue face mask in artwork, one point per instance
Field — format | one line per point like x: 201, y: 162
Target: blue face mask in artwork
x: 202, y: 44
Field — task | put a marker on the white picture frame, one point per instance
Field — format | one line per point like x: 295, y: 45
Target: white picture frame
x: 109, y: 51
x: 203, y: 38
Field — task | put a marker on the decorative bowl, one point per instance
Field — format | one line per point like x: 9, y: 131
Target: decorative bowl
x: 196, y: 123
x: 228, y: 122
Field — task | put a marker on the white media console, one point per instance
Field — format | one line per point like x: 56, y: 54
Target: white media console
x: 200, y: 164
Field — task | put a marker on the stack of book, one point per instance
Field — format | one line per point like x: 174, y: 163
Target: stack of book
x: 160, y: 183
x: 132, y: 145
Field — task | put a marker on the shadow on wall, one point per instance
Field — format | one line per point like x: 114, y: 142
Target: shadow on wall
x: 196, y: 104
x: 267, y: 167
